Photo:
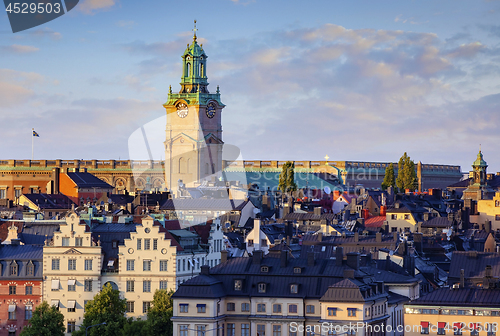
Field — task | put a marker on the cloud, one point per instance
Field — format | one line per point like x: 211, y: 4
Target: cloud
x: 92, y: 6
x: 16, y: 87
x: 125, y: 24
x: 19, y: 49
x: 466, y: 50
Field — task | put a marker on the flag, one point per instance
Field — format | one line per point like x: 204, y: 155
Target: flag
x: 35, y: 134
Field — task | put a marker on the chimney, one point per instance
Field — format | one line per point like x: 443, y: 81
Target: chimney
x: 284, y: 258
x: 395, y: 237
x: 339, y: 255
x: 257, y: 257
x: 353, y: 260
x: 349, y: 274
x: 383, y: 210
x: 378, y: 237
x: 320, y: 237
x: 487, y: 271
x: 223, y: 256
x: 388, y: 263
x: 205, y: 269
x: 317, y: 211
x: 462, y: 278
x: 426, y: 216
x: 356, y: 236
x: 310, y: 258
x: 487, y: 226
x: 380, y: 286
x: 55, y: 180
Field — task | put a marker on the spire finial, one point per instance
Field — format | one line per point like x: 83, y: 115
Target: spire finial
x: 195, y: 29
x: 479, y: 148
x: 170, y: 89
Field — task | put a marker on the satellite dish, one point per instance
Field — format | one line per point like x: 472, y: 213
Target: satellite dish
x: 327, y: 190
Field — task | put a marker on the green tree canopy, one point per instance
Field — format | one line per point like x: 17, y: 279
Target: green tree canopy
x: 407, y: 177
x: 159, y: 314
x: 46, y: 321
x: 107, y: 306
x: 389, y: 177
x: 287, y: 178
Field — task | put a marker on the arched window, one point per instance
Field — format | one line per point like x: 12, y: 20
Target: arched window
x: 188, y: 69
x: 201, y: 70
x: 13, y: 268
x: 182, y: 165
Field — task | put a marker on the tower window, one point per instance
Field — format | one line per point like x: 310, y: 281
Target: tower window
x: 188, y: 69
x: 201, y: 70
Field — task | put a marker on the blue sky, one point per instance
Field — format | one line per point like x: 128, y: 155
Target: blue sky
x: 357, y: 80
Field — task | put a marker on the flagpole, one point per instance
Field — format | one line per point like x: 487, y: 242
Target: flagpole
x: 32, y: 142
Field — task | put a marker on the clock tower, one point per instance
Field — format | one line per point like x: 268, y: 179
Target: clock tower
x: 193, y: 145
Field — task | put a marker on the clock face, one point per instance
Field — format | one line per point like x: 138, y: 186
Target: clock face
x: 211, y: 110
x: 182, y: 110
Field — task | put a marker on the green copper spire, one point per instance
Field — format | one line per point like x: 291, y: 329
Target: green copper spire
x: 479, y: 161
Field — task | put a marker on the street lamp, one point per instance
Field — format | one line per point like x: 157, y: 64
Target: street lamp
x: 93, y: 326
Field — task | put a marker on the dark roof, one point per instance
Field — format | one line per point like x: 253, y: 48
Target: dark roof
x: 203, y: 204
x: 202, y: 286
x: 50, y: 201
x: 87, y: 180
x: 23, y: 255
x: 461, y: 297
x: 21, y: 252
x: 474, y: 264
x: 120, y: 199
x: 37, y: 233
x: 351, y: 290
x: 437, y: 222
x: 106, y: 234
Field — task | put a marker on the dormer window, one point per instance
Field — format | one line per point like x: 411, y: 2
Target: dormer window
x: 30, y: 269
x: 261, y: 287
x: 13, y: 269
x: 297, y: 270
x: 264, y: 269
x: 238, y: 284
x: 294, y: 288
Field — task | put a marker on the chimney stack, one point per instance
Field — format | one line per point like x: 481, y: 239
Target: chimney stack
x: 378, y: 237
x: 223, y: 256
x: 339, y: 255
x: 205, y: 269
x: 257, y: 257
x: 310, y: 258
x: 462, y: 278
x: 356, y: 236
x: 349, y: 274
x: 55, y: 180
x: 284, y: 258
x: 353, y: 260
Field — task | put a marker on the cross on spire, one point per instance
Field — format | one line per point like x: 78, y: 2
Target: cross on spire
x: 194, y: 29
x: 326, y: 158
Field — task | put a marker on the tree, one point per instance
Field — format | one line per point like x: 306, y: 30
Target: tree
x: 107, y: 306
x: 389, y: 177
x: 407, y: 178
x: 46, y: 321
x: 287, y: 178
x: 159, y: 314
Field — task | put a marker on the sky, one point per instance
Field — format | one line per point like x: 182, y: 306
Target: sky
x: 354, y: 80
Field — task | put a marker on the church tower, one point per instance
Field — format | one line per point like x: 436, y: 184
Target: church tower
x: 193, y: 145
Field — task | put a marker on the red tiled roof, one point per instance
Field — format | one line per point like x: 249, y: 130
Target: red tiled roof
x: 376, y: 221
x: 4, y: 228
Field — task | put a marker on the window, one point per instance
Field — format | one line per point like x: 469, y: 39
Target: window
x: 163, y: 265
x: 65, y: 241
x: 30, y: 269
x: 292, y: 308
x: 238, y: 284
x: 12, y: 290
x: 277, y: 308
x: 139, y: 244
x: 71, y: 285
x: 12, y: 311
x: 71, y: 264
x: 294, y: 289
x: 155, y: 244
x: 183, y: 307
x: 230, y: 329
x: 394, y: 217
x: 407, y: 216
x: 231, y: 306
x: 200, y: 330
x: 130, y: 285
x: 491, y: 329
x: 88, y: 264
x: 261, y: 330
x: 130, y: 265
x: 250, y: 242
x: 202, y: 308
x: 28, y: 312
x: 114, y: 244
x: 352, y: 312
x: 78, y: 241
x: 245, y: 329
x: 163, y: 284
x: 309, y: 309
x: 147, y: 244
x: 18, y: 193
x: 183, y: 330
x: 145, y: 306
x: 474, y: 329
x: 497, y: 217
x: 276, y: 330
x: 262, y: 287
x: 146, y: 286
x: 263, y: 242
x: 3, y: 193
x: 332, y: 311
x: 264, y: 269
x: 146, y: 265
x: 261, y: 307
x: 71, y: 326
x: 88, y: 285
x: 424, y: 328
x: 130, y: 306
x: 245, y: 307
x: 55, y: 264
x: 28, y: 290
x: 297, y: 270
x: 71, y: 306
x: 441, y: 328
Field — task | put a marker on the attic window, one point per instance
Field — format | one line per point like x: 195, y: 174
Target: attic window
x: 238, y: 284
x: 13, y: 268
x: 114, y: 244
x: 294, y: 288
x: 261, y: 287
x: 297, y: 270
x: 264, y: 269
